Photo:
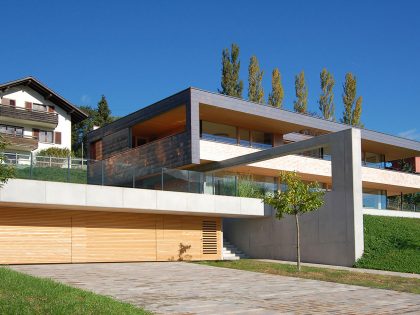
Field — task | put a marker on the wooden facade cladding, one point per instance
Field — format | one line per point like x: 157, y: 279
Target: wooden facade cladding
x: 63, y: 236
x: 20, y: 113
x: 120, y: 169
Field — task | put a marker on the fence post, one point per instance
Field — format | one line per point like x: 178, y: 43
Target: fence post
x: 30, y: 169
x: 161, y: 179
x: 68, y: 168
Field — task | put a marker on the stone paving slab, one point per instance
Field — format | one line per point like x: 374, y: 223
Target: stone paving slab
x: 185, y: 288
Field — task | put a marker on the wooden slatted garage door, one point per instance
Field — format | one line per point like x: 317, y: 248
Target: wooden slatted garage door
x: 33, y: 236
x: 60, y: 236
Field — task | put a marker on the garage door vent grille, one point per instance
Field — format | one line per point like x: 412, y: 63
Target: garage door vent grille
x: 209, y: 237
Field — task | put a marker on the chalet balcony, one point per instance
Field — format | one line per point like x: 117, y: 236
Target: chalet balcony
x: 13, y: 114
x: 19, y: 142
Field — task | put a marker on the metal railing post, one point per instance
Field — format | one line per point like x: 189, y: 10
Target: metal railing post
x: 188, y: 179
x: 102, y: 172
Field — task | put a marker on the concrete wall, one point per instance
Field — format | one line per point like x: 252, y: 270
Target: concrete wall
x: 332, y: 235
x: 323, y: 236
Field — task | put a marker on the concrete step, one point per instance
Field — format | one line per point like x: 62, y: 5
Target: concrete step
x: 230, y: 252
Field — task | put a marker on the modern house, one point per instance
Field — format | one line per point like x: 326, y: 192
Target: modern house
x: 173, y: 175
x: 33, y: 117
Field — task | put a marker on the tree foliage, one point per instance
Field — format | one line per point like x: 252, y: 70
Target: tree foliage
x: 6, y: 171
x: 255, y: 75
x: 103, y: 116
x: 301, y: 102
x: 230, y: 83
x: 352, y: 107
x: 275, y: 98
x: 99, y: 116
x: 299, y: 198
x: 326, y: 99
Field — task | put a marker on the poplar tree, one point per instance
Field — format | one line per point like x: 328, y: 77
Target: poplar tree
x: 255, y: 89
x: 275, y: 98
x: 352, y: 107
x: 301, y: 102
x: 326, y: 99
x: 357, y: 113
x: 230, y: 83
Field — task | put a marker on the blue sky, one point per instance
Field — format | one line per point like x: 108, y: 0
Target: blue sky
x: 137, y: 53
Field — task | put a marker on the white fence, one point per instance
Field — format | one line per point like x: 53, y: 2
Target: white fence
x: 28, y: 160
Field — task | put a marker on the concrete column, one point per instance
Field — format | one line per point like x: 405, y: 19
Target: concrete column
x: 347, y: 188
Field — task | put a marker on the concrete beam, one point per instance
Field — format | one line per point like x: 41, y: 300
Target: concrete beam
x: 53, y: 195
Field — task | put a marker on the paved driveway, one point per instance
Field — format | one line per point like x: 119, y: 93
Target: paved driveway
x: 182, y: 288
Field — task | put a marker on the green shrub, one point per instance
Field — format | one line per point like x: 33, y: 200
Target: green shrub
x: 55, y: 152
x: 391, y: 244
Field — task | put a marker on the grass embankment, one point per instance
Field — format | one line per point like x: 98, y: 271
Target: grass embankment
x: 54, y: 174
x: 24, y: 294
x: 391, y: 244
x: 339, y: 276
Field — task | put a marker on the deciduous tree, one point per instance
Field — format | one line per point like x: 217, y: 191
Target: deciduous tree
x: 230, y: 82
x: 255, y: 75
x: 326, y: 99
x: 352, y: 107
x: 301, y: 102
x: 275, y: 98
x: 299, y: 198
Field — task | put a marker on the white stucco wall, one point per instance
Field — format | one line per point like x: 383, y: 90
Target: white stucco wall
x: 24, y: 94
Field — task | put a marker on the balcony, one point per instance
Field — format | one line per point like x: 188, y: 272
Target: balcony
x: 14, y: 114
x: 19, y: 142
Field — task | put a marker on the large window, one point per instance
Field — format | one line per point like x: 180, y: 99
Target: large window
x: 235, y: 135
x: 39, y: 107
x: 46, y: 136
x: 374, y: 198
x: 373, y: 160
x: 261, y: 139
x: 12, y: 130
x: 218, y: 132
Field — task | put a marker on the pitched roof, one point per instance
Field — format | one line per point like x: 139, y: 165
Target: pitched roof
x: 76, y: 114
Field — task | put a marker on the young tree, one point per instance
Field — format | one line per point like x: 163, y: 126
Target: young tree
x: 326, y: 99
x: 275, y: 98
x: 352, y: 112
x: 299, y: 198
x: 301, y: 102
x: 104, y: 113
x: 6, y: 171
x: 255, y: 89
x: 231, y: 85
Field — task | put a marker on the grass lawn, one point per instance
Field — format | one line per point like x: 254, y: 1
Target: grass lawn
x: 23, y: 294
x: 391, y: 244
x: 331, y: 275
x: 54, y: 174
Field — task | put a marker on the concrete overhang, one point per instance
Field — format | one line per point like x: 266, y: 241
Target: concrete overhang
x: 54, y: 195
